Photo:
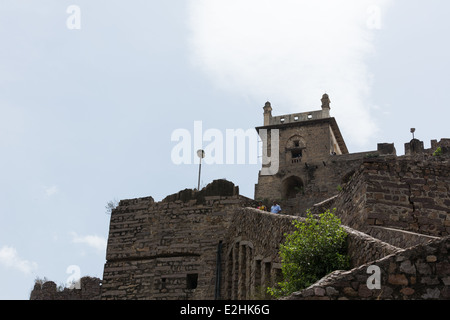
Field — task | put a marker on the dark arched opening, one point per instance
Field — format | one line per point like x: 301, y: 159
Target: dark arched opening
x: 291, y: 187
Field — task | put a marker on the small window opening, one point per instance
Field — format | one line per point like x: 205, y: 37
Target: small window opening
x: 191, y: 281
x: 282, y: 120
x: 296, y: 143
x: 296, y: 154
x: 309, y: 116
x: 296, y: 118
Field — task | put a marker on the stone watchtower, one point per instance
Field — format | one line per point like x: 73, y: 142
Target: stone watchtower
x: 308, y: 143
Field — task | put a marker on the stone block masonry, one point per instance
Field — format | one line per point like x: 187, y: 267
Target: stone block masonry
x: 252, y: 253
x: 168, y: 249
x: 405, y: 193
x: 212, y: 245
x: 252, y: 262
x: 89, y: 289
x: 409, y: 194
x: 418, y: 273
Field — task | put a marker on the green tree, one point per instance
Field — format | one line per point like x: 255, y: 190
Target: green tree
x: 316, y: 248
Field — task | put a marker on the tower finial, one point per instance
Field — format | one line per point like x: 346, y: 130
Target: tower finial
x: 325, y: 101
x: 267, y: 113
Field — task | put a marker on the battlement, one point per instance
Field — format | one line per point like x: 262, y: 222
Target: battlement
x: 297, y: 117
x: 88, y: 288
x: 415, y: 146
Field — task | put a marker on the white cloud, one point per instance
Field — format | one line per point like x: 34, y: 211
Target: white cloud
x: 10, y: 258
x: 50, y: 191
x: 291, y: 52
x: 94, y: 241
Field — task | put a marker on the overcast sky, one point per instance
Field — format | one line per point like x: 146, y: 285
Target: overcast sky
x: 91, y: 93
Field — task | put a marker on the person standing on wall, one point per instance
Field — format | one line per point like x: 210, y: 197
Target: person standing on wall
x: 275, y: 207
x: 261, y: 206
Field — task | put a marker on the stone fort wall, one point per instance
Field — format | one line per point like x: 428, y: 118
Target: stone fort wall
x: 405, y: 193
x: 421, y: 272
x: 322, y: 178
x: 89, y: 288
x: 252, y: 262
x: 403, y: 201
x: 166, y: 250
x: 203, y: 246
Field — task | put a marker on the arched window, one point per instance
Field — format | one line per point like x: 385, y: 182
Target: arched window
x: 294, y: 149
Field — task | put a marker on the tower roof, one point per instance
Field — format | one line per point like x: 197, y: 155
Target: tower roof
x: 330, y: 120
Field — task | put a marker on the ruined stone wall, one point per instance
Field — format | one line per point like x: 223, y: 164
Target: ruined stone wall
x: 410, y: 193
x: 400, y: 238
x: 197, y: 245
x: 167, y: 249
x: 89, y: 289
x: 420, y: 272
x: 252, y: 261
x: 322, y: 178
x: 362, y: 248
x: 407, y: 193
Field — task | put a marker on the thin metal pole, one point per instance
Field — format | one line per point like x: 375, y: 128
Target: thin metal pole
x: 199, y: 170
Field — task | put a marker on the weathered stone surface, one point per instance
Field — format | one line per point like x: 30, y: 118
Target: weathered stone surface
x: 89, y: 288
x: 432, y: 294
x: 364, y: 292
x: 407, y: 267
x: 407, y: 291
x: 391, y: 193
x: 400, y: 280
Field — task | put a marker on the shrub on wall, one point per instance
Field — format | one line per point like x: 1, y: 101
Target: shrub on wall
x: 316, y: 248
x: 437, y: 152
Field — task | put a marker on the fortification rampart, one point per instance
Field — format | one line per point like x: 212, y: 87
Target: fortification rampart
x: 418, y: 273
x: 252, y: 262
x: 211, y: 244
x: 321, y: 178
x: 252, y: 252
x: 206, y: 244
x: 168, y: 249
x: 88, y: 288
x: 406, y: 193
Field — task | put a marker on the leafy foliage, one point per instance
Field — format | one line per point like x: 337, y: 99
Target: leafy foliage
x: 437, y: 152
x: 316, y: 248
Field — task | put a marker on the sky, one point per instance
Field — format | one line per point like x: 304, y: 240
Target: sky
x: 95, y: 96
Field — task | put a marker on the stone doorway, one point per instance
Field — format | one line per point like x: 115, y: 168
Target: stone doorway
x: 291, y: 186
